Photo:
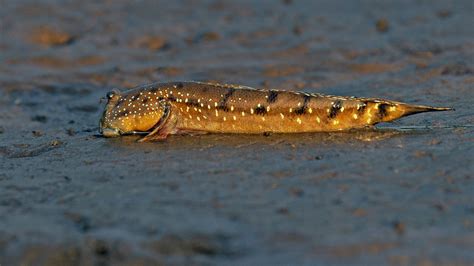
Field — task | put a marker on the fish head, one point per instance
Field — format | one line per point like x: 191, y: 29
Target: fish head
x: 131, y: 113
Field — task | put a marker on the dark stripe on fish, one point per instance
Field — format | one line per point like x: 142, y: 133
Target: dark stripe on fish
x: 383, y: 110
x: 223, y: 104
x: 302, y: 109
x: 260, y: 110
x: 362, y: 108
x: 272, y: 96
x: 193, y: 102
x: 335, y: 108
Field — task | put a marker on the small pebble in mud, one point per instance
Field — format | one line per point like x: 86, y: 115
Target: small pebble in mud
x: 337, y: 201
x: 153, y: 43
x: 297, y: 30
x: 49, y: 36
x: 37, y: 133
x: 444, y: 14
x: 70, y: 132
x: 99, y: 247
x: 80, y: 221
x: 297, y: 192
x: 421, y: 65
x: 382, y: 25
x: 55, y: 142
x: 440, y: 206
x: 359, y: 212
x: 157, y: 43
x: 434, y: 142
x: 209, y: 36
x: 421, y: 154
x: 192, y: 245
x: 399, y: 227
x: 458, y: 69
x: 282, y: 210
x: 39, y: 118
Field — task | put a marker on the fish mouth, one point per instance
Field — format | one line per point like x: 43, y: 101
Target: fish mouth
x: 114, y: 132
x: 110, y: 132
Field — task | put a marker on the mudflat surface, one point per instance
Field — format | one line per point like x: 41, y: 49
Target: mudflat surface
x: 402, y: 194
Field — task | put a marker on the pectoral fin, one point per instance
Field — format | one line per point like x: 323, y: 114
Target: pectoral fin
x: 165, y: 126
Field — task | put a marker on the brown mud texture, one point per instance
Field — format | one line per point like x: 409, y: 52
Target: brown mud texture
x: 402, y: 194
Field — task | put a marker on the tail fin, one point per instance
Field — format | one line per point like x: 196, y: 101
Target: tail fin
x: 390, y: 110
x: 415, y: 109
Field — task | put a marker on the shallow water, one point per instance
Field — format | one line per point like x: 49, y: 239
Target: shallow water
x: 401, y: 194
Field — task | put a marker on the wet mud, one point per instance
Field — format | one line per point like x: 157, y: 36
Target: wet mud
x: 401, y: 194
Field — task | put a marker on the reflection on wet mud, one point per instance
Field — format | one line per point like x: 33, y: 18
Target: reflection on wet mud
x: 245, y: 140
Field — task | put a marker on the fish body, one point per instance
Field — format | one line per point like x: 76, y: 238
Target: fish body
x: 161, y: 109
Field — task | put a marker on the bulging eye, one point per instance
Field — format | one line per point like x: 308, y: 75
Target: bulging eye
x: 110, y: 94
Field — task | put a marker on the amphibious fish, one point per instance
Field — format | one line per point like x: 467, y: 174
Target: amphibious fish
x: 161, y: 109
